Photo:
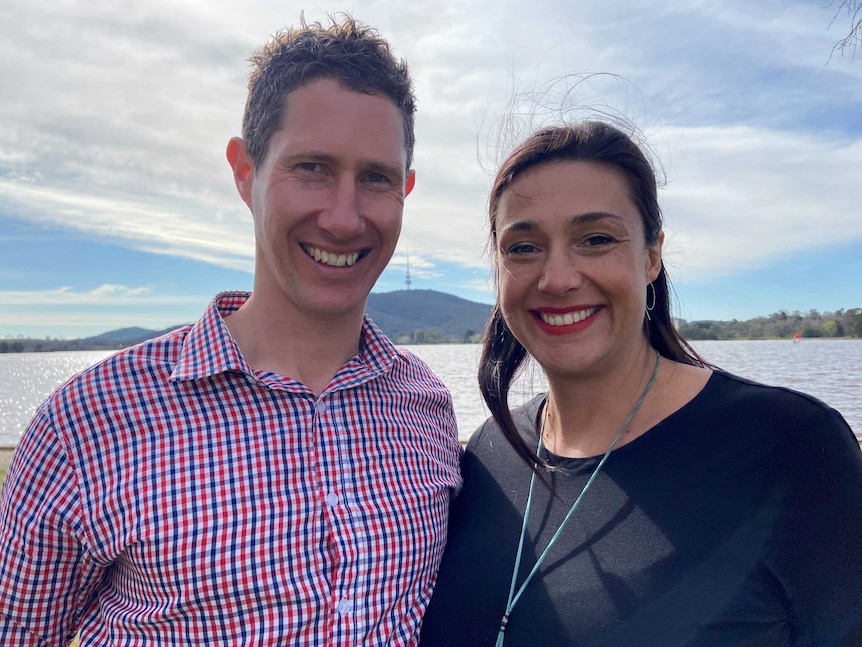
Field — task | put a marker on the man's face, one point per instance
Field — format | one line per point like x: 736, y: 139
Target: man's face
x: 327, y: 200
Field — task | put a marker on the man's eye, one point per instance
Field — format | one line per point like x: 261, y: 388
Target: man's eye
x: 377, y: 177
x: 311, y: 167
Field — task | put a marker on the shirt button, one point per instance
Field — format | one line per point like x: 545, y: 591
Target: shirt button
x: 331, y: 499
x: 344, y: 607
x: 320, y: 406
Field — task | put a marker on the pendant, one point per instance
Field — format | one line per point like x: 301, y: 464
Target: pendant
x: 502, y: 633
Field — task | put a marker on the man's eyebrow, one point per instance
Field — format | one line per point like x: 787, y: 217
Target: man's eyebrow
x: 314, y: 156
x: 387, y: 169
x: 318, y: 156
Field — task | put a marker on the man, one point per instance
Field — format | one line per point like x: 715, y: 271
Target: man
x: 278, y: 473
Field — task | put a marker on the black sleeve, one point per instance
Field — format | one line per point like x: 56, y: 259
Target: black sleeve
x: 484, y: 528
x: 820, y: 548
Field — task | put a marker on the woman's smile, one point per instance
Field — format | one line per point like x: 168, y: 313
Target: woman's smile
x: 559, y: 321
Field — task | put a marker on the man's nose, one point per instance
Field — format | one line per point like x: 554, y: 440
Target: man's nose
x: 342, y: 217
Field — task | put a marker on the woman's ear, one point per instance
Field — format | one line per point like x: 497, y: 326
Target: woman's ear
x: 653, y: 266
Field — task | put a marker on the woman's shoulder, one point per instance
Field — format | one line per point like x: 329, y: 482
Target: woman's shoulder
x: 488, y: 435
x: 730, y: 399
x: 724, y: 386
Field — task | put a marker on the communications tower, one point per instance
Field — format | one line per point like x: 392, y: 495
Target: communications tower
x: 407, y: 280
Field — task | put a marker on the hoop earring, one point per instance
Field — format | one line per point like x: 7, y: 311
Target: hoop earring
x: 650, y: 306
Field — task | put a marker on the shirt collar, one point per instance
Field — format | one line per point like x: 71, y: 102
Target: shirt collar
x: 376, y: 350
x: 375, y: 357
x: 209, y: 349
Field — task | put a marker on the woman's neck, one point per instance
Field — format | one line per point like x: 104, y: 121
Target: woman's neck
x: 584, y: 414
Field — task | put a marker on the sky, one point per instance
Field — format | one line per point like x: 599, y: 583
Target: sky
x: 118, y: 209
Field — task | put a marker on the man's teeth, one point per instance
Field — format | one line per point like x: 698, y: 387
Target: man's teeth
x: 567, y: 319
x: 329, y: 258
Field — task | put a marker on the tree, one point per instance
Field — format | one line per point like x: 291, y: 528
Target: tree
x: 853, y: 10
x: 833, y: 328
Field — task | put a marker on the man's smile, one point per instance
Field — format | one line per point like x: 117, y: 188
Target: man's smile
x: 333, y: 259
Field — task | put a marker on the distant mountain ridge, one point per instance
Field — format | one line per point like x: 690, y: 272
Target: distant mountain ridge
x: 405, y: 316
x: 127, y: 336
x: 427, y: 316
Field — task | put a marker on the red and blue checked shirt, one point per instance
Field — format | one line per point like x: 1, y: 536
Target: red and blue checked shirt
x: 171, y: 495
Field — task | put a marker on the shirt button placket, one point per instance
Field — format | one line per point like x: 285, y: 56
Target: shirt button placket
x: 330, y: 496
x: 333, y: 497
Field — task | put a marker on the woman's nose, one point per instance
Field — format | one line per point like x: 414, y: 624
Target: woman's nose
x: 560, y: 274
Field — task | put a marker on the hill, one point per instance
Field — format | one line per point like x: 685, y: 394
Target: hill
x: 113, y: 340
x: 406, y: 316
x: 430, y: 317
x: 125, y: 336
x: 427, y: 316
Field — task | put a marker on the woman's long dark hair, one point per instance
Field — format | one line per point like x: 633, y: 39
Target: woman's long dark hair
x: 599, y: 143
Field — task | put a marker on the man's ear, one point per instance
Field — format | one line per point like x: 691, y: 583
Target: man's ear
x: 242, y: 167
x: 410, y: 183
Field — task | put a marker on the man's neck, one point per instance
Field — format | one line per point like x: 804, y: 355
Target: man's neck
x: 308, y: 349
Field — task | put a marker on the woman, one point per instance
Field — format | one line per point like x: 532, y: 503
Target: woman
x: 648, y: 498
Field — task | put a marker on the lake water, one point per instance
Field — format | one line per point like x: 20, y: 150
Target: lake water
x: 828, y: 369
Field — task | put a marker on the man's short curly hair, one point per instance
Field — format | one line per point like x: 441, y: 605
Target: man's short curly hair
x: 347, y: 51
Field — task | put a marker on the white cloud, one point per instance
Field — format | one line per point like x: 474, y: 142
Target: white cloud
x: 225, y: 239
x: 107, y: 294
x: 740, y: 198
x: 115, y: 117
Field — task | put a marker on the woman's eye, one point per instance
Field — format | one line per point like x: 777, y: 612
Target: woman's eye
x: 520, y: 248
x: 597, y: 240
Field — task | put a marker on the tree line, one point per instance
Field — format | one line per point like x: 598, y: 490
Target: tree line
x: 779, y: 325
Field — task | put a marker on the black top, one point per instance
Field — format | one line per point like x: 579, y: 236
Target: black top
x: 736, y: 521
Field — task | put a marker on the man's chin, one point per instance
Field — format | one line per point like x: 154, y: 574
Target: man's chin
x: 337, y: 308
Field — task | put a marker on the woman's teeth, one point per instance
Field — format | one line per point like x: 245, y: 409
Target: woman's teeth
x: 567, y: 319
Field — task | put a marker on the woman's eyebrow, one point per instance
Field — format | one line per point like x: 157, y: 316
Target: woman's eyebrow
x: 579, y: 219
x: 593, y: 216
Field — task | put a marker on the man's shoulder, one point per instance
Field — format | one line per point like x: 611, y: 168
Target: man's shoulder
x: 386, y: 356
x: 128, y: 368
x: 408, y: 366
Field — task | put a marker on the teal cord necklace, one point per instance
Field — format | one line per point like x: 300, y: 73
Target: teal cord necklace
x: 515, y: 596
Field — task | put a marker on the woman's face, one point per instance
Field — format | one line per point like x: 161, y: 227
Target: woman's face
x: 573, y: 267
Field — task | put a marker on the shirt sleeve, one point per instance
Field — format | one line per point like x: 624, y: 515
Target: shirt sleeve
x: 821, y: 547
x: 46, y: 575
